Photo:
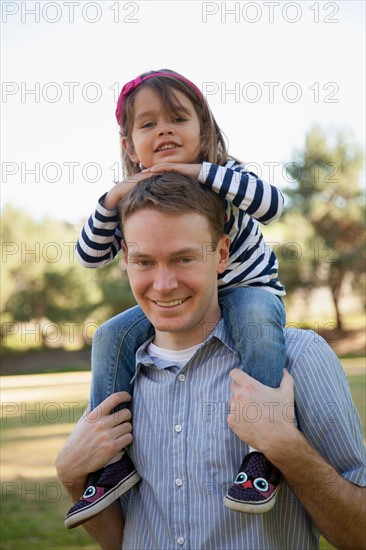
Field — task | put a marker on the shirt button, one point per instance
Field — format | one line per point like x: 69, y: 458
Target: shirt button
x: 180, y: 540
x: 181, y: 377
x: 178, y: 482
x: 178, y: 428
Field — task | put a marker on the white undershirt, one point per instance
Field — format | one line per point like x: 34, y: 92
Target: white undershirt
x: 168, y: 357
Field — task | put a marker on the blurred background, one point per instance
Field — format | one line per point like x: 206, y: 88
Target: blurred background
x: 286, y: 83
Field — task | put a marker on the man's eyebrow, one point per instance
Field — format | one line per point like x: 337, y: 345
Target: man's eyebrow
x: 187, y: 250
x: 135, y: 254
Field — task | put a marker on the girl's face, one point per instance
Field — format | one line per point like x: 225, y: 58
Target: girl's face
x: 158, y: 136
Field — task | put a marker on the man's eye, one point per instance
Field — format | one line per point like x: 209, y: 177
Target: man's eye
x: 139, y: 263
x: 185, y: 260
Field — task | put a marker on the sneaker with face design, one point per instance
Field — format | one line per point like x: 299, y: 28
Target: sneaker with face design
x: 103, y: 487
x: 255, y: 487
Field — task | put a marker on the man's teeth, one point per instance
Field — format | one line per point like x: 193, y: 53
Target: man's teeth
x: 165, y: 147
x: 170, y: 304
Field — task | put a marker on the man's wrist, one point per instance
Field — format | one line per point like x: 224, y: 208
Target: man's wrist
x: 75, y: 487
x: 75, y: 490
x: 280, y: 452
x: 73, y: 483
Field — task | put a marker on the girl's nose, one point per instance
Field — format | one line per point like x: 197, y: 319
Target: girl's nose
x: 164, y: 128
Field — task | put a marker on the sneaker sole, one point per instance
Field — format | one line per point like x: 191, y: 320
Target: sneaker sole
x: 253, y: 507
x: 87, y: 513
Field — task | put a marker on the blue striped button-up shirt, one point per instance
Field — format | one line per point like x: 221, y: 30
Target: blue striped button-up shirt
x: 187, y: 455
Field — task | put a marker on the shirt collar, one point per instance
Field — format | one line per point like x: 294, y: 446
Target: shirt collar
x: 220, y: 332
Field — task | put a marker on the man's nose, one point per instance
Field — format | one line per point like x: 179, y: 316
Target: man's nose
x: 165, y: 280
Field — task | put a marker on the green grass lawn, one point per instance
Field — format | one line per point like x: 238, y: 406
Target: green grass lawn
x: 32, y: 518
x: 32, y: 502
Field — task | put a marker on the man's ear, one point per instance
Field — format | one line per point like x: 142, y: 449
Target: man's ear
x: 125, y: 251
x: 128, y: 148
x: 223, y: 248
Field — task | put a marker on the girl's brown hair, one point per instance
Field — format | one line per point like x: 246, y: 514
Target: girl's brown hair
x: 213, y: 146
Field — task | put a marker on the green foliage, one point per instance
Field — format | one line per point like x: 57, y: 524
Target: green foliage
x: 55, y: 295
x: 325, y: 215
x: 113, y: 283
x: 43, y: 281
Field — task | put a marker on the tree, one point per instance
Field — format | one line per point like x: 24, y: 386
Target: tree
x: 42, y: 280
x: 113, y: 283
x: 326, y: 193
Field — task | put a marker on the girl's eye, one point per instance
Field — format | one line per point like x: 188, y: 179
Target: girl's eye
x: 179, y: 119
x: 147, y: 125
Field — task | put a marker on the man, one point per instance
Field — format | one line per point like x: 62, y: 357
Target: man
x: 187, y: 440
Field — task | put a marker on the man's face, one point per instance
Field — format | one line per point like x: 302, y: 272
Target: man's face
x: 173, y: 274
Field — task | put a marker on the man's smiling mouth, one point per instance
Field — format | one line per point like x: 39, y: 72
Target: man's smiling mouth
x: 171, y: 303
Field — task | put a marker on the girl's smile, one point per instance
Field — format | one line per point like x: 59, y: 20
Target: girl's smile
x: 158, y: 135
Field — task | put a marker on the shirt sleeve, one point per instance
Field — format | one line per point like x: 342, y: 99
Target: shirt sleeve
x: 243, y: 189
x: 100, y: 239
x: 326, y: 413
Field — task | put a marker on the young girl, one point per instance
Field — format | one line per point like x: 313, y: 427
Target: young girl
x: 166, y: 125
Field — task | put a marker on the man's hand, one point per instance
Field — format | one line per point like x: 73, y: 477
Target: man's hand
x: 95, y: 440
x: 191, y: 170
x: 261, y: 416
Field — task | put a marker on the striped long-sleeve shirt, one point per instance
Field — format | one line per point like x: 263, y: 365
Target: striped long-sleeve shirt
x: 187, y: 455
x: 249, y: 201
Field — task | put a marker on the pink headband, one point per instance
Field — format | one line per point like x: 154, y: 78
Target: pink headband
x: 133, y: 84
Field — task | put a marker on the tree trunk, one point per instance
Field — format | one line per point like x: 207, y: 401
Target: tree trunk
x: 338, y: 313
x: 336, y: 295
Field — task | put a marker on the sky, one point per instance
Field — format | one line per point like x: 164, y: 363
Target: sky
x: 270, y: 71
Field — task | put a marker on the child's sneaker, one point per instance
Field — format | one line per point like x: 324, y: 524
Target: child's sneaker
x: 255, y: 487
x: 103, y: 488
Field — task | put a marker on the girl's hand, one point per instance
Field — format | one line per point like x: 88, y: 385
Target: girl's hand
x: 192, y: 170
x: 121, y: 189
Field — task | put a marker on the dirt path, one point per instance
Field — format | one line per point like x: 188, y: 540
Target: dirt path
x: 45, y: 361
